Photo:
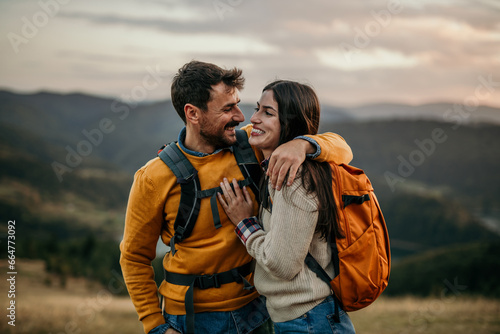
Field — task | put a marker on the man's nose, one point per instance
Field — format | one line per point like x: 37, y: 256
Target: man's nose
x: 238, y: 115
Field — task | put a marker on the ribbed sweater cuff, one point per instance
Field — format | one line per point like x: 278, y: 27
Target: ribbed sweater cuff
x: 314, y: 143
x: 246, y: 227
x: 151, y: 321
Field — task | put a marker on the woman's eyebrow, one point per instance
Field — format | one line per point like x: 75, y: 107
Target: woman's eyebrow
x: 268, y: 107
x: 265, y: 107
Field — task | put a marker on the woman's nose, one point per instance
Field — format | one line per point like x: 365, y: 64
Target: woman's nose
x: 255, y: 118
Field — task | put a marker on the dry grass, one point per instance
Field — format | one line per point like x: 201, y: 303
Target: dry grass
x: 445, y: 315
x: 84, y: 307
x: 43, y: 306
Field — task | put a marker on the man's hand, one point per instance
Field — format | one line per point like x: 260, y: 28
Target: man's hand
x: 171, y: 331
x: 286, y: 159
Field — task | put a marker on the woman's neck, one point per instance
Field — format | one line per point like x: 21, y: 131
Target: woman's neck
x: 267, y: 153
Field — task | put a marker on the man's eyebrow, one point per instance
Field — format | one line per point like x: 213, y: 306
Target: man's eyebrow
x: 232, y: 104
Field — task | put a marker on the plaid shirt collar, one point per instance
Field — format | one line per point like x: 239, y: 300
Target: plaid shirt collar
x: 264, y: 164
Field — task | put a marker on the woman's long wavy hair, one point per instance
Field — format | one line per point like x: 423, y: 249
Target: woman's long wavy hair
x: 299, y: 112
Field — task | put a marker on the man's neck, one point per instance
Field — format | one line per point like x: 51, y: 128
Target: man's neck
x: 194, y: 142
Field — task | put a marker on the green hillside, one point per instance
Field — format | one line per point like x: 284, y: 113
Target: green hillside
x: 417, y: 223
x: 122, y: 134
x: 465, y: 269
x: 75, y: 225
x: 28, y: 161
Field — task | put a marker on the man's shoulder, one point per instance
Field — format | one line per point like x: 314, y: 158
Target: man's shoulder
x: 156, y: 170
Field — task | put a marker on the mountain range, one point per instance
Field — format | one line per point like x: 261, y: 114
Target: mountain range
x: 67, y: 163
x: 136, y: 131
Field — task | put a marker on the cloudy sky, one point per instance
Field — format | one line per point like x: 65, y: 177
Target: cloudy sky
x: 351, y: 52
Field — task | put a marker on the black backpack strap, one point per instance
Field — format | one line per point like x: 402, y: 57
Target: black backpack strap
x: 323, y: 275
x: 317, y: 269
x: 212, y: 193
x: 191, y: 193
x: 177, y: 162
x: 247, y: 162
x: 189, y: 206
x: 350, y: 199
x: 206, y: 282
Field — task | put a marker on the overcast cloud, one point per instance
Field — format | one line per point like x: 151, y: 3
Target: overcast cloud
x: 351, y: 52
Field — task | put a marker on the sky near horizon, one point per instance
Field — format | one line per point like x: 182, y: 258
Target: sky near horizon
x: 351, y: 52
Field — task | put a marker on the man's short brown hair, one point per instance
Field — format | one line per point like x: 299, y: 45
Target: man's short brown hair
x: 193, y: 84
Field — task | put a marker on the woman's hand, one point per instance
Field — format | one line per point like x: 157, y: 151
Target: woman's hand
x: 286, y: 160
x: 238, y: 204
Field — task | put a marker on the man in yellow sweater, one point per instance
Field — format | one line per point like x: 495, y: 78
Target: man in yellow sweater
x: 207, y: 287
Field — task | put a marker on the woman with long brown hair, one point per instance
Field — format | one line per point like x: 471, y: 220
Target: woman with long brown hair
x: 293, y: 222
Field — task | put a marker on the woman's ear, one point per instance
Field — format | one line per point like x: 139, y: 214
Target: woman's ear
x: 192, y: 113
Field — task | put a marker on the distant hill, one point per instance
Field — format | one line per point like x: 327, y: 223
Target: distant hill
x: 129, y: 134
x: 462, y: 161
x: 440, y: 112
x: 449, y: 272
x: 92, y: 196
x: 136, y: 131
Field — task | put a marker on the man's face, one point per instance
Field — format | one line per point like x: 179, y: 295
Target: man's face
x: 217, y: 124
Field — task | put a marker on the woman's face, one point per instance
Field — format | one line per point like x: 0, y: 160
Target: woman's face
x: 266, y: 124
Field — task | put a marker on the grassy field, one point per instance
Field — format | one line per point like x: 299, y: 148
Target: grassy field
x: 429, y: 315
x: 46, y: 305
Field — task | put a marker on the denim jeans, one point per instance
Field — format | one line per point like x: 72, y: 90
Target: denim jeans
x: 318, y: 320
x: 241, y: 321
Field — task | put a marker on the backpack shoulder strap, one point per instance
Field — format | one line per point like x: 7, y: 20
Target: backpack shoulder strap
x: 247, y: 162
x: 243, y: 150
x: 323, y: 275
x: 317, y: 269
x: 191, y: 192
x: 173, y: 157
x: 189, y: 206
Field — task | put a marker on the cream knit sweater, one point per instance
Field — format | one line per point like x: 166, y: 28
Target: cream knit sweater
x: 281, y: 275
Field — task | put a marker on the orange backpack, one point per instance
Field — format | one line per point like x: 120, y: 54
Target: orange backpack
x: 362, y: 259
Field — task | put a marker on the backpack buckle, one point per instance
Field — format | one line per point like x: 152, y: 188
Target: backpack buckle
x: 208, y: 281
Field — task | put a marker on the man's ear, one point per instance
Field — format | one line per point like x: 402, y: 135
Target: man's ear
x: 192, y: 113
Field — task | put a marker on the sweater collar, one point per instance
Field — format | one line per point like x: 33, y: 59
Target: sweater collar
x: 182, y: 138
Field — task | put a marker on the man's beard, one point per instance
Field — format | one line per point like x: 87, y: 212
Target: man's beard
x: 217, y: 138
